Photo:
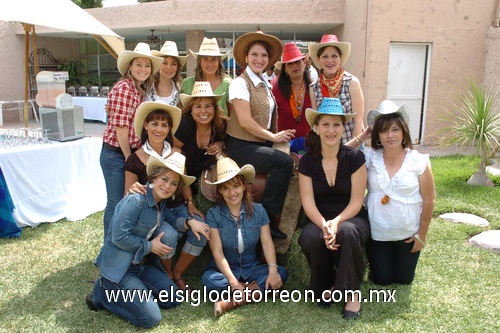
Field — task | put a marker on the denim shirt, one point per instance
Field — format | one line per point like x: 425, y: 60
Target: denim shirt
x: 125, y: 243
x: 219, y: 217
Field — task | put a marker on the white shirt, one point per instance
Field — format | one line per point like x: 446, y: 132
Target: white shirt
x: 238, y: 90
x: 173, y: 99
x: 313, y: 73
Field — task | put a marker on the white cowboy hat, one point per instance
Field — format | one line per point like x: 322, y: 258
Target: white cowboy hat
x: 209, y: 47
x: 241, y: 44
x: 330, y: 40
x: 169, y: 49
x: 228, y: 169
x: 330, y: 106
x: 388, y: 107
x: 146, y: 108
x: 141, y: 50
x: 200, y: 89
x: 174, y: 162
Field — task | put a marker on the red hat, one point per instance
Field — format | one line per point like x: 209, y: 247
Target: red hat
x: 291, y: 53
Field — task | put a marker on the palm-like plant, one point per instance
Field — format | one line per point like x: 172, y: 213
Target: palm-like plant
x: 476, y: 122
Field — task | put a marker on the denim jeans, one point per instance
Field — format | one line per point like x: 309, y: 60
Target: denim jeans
x: 140, y: 278
x: 273, y: 162
x: 113, y: 170
x: 192, y: 246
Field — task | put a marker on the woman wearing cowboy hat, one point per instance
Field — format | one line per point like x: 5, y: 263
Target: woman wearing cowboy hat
x: 332, y: 181
x: 168, y: 78
x: 156, y: 122
x: 252, y: 126
x: 138, y: 242
x: 329, y: 56
x: 400, y: 198
x: 237, y: 225
x: 137, y: 68
x: 209, y: 68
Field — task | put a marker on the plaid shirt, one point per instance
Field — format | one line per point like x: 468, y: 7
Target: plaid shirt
x: 345, y: 100
x: 123, y: 100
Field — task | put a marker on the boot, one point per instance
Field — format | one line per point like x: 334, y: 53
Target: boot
x: 184, y: 261
x: 167, y: 266
x: 274, y: 222
x: 222, y: 307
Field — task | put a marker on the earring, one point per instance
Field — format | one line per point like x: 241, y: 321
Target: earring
x: 173, y: 196
x: 379, y: 143
x: 404, y: 141
x: 314, y: 129
x: 151, y: 185
x: 129, y: 73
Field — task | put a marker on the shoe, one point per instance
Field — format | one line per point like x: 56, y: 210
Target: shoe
x: 90, y: 304
x: 182, y: 285
x: 350, y: 315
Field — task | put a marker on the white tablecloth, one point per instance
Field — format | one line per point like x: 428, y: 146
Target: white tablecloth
x: 53, y: 181
x: 93, y: 107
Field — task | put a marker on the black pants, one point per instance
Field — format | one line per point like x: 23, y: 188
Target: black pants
x: 343, y: 268
x: 391, y: 261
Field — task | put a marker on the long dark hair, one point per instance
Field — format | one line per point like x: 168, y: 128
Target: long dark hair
x: 160, y: 115
x: 285, y: 84
x: 247, y: 198
x: 384, y: 122
x: 313, y: 141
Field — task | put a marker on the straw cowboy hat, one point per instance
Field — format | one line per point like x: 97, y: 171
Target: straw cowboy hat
x: 241, y: 44
x: 169, y: 49
x: 141, y: 50
x: 228, y: 169
x: 388, y: 107
x: 200, y: 89
x: 330, y: 40
x: 174, y: 162
x: 329, y: 106
x: 209, y: 47
x: 146, y: 108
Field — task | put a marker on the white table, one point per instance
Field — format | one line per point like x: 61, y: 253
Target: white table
x: 50, y: 182
x: 93, y: 107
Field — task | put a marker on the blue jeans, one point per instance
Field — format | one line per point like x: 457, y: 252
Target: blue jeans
x: 192, y: 246
x: 391, y: 262
x: 113, y: 170
x: 273, y: 162
x: 140, y: 278
x: 213, y: 279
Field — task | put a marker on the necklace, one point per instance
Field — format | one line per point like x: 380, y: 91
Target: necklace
x: 297, y: 101
x: 385, y: 199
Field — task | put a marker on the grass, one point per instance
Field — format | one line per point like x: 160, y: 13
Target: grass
x: 45, y: 273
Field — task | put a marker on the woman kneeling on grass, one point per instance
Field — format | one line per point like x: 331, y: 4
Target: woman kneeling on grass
x: 237, y: 224
x: 129, y: 261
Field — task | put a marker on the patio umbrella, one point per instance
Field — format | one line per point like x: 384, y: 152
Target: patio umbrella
x: 59, y: 14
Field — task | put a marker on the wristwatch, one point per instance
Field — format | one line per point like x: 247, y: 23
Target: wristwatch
x: 417, y: 237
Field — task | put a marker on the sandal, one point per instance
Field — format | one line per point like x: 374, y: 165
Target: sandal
x: 181, y: 284
x: 350, y: 315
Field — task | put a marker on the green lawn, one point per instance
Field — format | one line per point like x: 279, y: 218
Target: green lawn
x: 44, y: 278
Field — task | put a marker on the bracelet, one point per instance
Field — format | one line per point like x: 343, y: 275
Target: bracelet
x: 189, y: 200
x: 273, y: 265
x: 417, y: 237
x: 358, y: 140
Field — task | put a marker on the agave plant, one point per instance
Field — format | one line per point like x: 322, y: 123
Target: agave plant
x: 476, y: 123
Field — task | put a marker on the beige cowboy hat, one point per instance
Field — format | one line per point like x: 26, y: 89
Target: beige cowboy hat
x: 329, y: 106
x: 241, y: 44
x: 146, y: 108
x: 200, y: 89
x: 141, y: 50
x: 329, y: 40
x: 209, y: 47
x: 174, y: 162
x: 169, y: 49
x: 228, y: 169
x: 387, y: 107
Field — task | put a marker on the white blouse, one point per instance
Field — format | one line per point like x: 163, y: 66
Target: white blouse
x: 400, y: 217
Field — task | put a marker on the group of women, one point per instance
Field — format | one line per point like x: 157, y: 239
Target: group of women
x: 164, y: 136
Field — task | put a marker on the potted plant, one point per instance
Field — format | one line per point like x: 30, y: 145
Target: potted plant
x: 476, y: 122
x: 74, y: 69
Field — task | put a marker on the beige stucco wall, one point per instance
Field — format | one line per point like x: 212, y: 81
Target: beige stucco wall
x: 492, y: 58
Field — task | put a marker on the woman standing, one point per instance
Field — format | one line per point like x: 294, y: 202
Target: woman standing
x: 237, y: 224
x: 329, y: 56
x: 209, y: 68
x: 332, y: 180
x: 252, y: 127
x: 138, y: 237
x: 119, y: 139
x: 400, y: 199
x: 168, y: 78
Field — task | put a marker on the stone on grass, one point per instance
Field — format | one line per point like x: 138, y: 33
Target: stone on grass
x: 489, y: 240
x: 465, y: 218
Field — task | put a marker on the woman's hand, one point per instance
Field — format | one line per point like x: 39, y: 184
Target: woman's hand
x: 193, y: 210
x: 273, y: 279
x: 137, y: 188
x: 417, y: 246
x: 215, y: 148
x: 284, y: 136
x: 330, y: 233
x: 158, y: 247
x: 199, y: 228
